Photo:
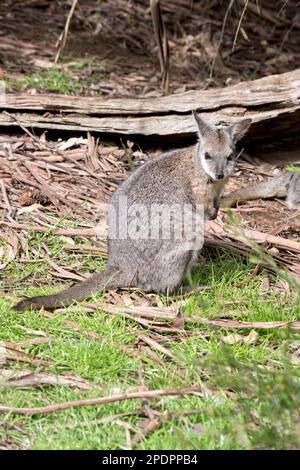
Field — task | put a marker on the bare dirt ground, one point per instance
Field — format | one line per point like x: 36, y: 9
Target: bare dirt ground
x: 210, y: 43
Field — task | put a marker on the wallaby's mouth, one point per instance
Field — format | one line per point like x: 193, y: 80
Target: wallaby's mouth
x: 216, y: 177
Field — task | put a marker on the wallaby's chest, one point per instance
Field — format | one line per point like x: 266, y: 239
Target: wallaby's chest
x: 205, y: 191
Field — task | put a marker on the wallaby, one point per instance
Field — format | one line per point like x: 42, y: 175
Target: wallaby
x: 193, y: 177
x: 286, y: 185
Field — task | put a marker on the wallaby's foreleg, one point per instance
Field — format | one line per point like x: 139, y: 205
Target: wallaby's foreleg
x: 275, y: 187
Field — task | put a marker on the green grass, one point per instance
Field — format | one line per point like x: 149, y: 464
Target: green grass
x: 71, y: 80
x: 76, y: 73
x: 44, y: 80
x: 250, y: 391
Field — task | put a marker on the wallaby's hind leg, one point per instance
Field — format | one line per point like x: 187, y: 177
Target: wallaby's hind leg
x: 293, y: 196
x: 275, y: 187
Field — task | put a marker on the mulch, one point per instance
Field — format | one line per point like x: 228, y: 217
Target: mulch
x: 211, y: 44
x: 44, y: 182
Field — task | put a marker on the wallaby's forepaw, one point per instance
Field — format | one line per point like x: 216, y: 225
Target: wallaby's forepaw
x: 227, y: 202
x: 211, y: 213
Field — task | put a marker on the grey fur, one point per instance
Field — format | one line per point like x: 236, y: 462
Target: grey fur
x: 293, y: 191
x: 158, y: 265
x: 286, y: 185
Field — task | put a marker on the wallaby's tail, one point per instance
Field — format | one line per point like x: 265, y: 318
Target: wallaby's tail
x: 274, y: 187
x: 108, y: 279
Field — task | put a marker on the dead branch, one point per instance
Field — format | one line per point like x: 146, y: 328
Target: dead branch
x: 162, y: 43
x: 273, y: 104
x: 63, y: 37
x: 101, y: 401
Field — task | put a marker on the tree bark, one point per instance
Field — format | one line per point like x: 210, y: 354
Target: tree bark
x: 273, y: 104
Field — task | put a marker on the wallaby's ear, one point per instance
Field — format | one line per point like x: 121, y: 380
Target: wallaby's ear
x: 238, y: 130
x: 203, y: 127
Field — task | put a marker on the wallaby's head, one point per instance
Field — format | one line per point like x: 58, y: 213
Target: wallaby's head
x: 216, y: 151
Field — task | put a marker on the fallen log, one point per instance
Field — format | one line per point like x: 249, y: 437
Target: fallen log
x: 273, y: 104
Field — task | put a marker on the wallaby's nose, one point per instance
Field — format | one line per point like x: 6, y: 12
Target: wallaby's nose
x: 219, y: 175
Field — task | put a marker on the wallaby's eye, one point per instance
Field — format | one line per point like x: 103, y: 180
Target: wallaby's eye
x: 207, y: 156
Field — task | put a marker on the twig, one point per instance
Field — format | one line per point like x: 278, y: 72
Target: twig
x: 20, y: 356
x: 158, y: 419
x: 31, y: 135
x: 60, y: 231
x: 151, y: 425
x: 166, y: 313
x: 5, y: 197
x: 268, y: 15
x: 162, y: 43
x: 12, y: 116
x: 248, y: 236
x: 154, y: 344
x: 100, y: 401
x: 63, y: 37
x: 239, y: 24
x: 221, y: 38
